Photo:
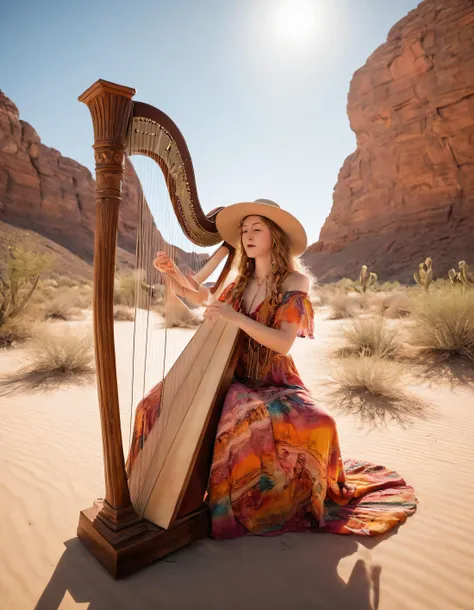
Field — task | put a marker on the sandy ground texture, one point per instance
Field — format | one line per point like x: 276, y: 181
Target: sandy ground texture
x: 51, y: 468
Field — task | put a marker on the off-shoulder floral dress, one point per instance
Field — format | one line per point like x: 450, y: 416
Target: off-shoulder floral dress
x: 277, y: 464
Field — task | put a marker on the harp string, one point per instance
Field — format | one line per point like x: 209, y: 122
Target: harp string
x: 156, y: 346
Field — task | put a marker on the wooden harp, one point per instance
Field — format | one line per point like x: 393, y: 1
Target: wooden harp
x: 122, y: 540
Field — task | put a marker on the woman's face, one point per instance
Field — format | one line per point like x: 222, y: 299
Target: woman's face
x: 256, y: 237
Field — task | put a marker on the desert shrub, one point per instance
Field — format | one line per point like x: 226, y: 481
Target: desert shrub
x: 388, y: 286
x: 61, y: 310
x: 373, y: 375
x: 398, y: 305
x: 369, y: 337
x: 67, y: 304
x: 69, y: 353
x: 323, y: 295
x: 19, y: 278
x: 48, y: 283
x: 345, y: 284
x: 441, y: 283
x: 175, y: 313
x: 124, y: 289
x: 84, y: 300
x: 17, y: 330
x: 444, y: 325
x: 342, y: 305
x: 67, y: 281
x: 371, y: 389
x: 122, y: 313
x: 86, y: 290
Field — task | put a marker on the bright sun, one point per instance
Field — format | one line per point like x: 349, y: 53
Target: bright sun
x: 295, y: 20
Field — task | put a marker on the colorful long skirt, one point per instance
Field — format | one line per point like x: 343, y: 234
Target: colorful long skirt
x: 277, y: 467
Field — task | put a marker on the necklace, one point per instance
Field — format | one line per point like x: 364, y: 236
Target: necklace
x: 258, y: 356
x: 249, y: 309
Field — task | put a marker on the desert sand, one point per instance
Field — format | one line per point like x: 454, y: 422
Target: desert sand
x: 51, y: 466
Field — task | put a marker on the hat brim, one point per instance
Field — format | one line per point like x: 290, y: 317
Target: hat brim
x: 228, y: 223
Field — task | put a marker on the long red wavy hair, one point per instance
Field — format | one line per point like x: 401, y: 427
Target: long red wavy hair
x: 283, y: 264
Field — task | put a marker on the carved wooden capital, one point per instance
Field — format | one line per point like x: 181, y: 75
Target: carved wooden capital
x: 110, y: 106
x: 109, y: 156
x: 109, y: 182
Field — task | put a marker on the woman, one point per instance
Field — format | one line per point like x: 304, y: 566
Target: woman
x: 277, y: 465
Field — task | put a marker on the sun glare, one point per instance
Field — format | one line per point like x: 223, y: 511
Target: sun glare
x: 295, y: 20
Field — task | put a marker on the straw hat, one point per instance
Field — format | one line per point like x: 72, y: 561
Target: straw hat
x: 228, y: 222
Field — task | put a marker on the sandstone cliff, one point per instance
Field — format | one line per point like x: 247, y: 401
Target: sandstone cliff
x: 407, y: 192
x: 54, y: 196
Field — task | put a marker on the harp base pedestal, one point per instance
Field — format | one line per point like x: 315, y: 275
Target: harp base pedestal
x: 130, y: 549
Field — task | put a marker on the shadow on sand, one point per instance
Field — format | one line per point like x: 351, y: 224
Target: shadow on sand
x: 32, y: 382
x: 455, y: 371
x: 377, y: 411
x: 290, y: 572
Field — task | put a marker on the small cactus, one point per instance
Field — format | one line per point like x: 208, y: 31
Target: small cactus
x: 424, y: 275
x: 366, y: 280
x: 465, y: 276
x: 455, y: 279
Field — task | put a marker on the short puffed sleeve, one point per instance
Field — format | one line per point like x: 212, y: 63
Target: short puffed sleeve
x: 296, y: 308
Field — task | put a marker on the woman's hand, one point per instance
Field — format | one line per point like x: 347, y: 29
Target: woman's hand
x: 222, y: 311
x: 164, y: 264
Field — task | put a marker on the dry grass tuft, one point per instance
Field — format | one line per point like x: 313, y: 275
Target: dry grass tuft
x: 67, y: 354
x: 444, y: 325
x: 177, y: 315
x: 369, y: 337
x: 17, y: 330
x: 125, y: 288
x: 326, y: 292
x: 370, y: 389
x: 64, y: 304
x: 122, y: 313
x: 342, y: 305
x: 66, y: 281
x: 48, y: 283
x: 60, y: 309
x: 396, y: 306
x: 388, y: 287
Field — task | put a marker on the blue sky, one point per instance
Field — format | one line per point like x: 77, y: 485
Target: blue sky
x: 261, y: 102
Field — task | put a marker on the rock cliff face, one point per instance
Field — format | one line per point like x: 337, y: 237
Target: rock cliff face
x: 407, y: 192
x: 54, y: 196
x: 40, y: 189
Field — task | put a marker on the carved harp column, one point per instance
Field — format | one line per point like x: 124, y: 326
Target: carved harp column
x: 110, y: 106
x: 111, y: 530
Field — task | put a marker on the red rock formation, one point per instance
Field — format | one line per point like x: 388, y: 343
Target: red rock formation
x: 40, y: 189
x: 407, y: 192
x: 54, y: 196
